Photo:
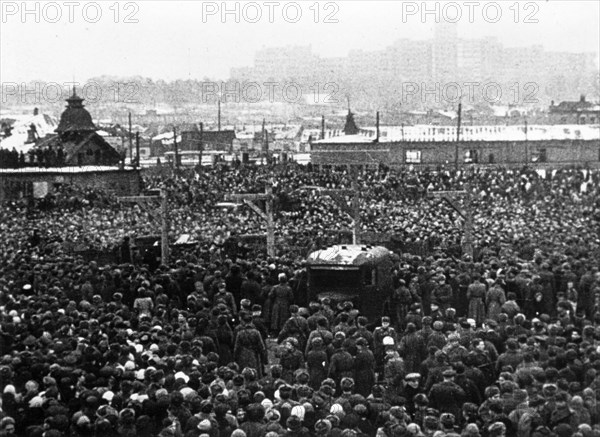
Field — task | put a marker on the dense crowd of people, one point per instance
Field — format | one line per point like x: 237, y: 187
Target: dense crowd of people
x: 35, y: 157
x: 219, y: 344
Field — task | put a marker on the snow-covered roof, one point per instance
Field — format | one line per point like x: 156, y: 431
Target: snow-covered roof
x: 420, y: 133
x: 62, y: 170
x: 166, y: 138
x: 45, y: 124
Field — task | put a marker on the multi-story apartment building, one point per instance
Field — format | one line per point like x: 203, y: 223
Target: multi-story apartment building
x: 443, y: 59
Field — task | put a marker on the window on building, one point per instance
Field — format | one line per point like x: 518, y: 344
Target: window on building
x: 539, y: 155
x: 471, y: 156
x: 413, y: 156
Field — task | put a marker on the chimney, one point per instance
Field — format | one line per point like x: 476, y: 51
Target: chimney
x: 32, y: 134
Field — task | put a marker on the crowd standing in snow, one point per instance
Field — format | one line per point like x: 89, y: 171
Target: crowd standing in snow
x: 226, y: 344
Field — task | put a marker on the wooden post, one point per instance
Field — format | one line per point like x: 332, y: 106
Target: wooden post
x: 466, y: 214
x: 123, y: 154
x: 219, y: 117
x: 468, y: 229
x: 201, y: 145
x: 130, y: 141
x: 267, y: 147
x: 176, y: 148
x: 164, y: 237
x: 270, y: 223
x: 137, y: 150
x: 458, y: 136
x: 264, y: 150
x: 526, y: 144
x: 355, y: 207
x: 267, y: 215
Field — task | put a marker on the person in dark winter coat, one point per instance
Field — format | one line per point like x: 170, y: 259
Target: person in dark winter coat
x: 437, y: 337
x: 341, y: 364
x: 296, y: 326
x: 281, y: 297
x: 295, y: 428
x: 476, y: 295
x: 364, y: 368
x: 442, y: 293
x: 400, y: 303
x: 426, y: 287
x: 447, y: 396
x: 317, y: 362
x: 291, y: 359
x: 249, y: 349
x: 512, y: 357
x: 254, y: 426
x: 234, y: 281
x: 250, y: 288
x: 412, y: 348
x: 385, y: 330
x: 494, y: 300
x: 224, y: 341
x: 259, y: 322
x: 226, y: 297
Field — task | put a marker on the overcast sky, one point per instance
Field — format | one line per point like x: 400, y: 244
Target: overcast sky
x: 173, y: 40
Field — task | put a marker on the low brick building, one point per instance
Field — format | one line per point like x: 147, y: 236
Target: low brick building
x: 539, y: 153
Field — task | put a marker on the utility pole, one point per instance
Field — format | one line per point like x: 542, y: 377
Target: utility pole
x: 137, y: 150
x: 219, y: 117
x: 356, y: 205
x: 201, y: 145
x: 149, y: 204
x: 267, y: 215
x: 176, y: 148
x: 466, y: 213
x: 130, y: 140
x: 164, y: 235
x: 526, y: 143
x: 457, y: 136
x: 123, y: 154
x: 266, y: 143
